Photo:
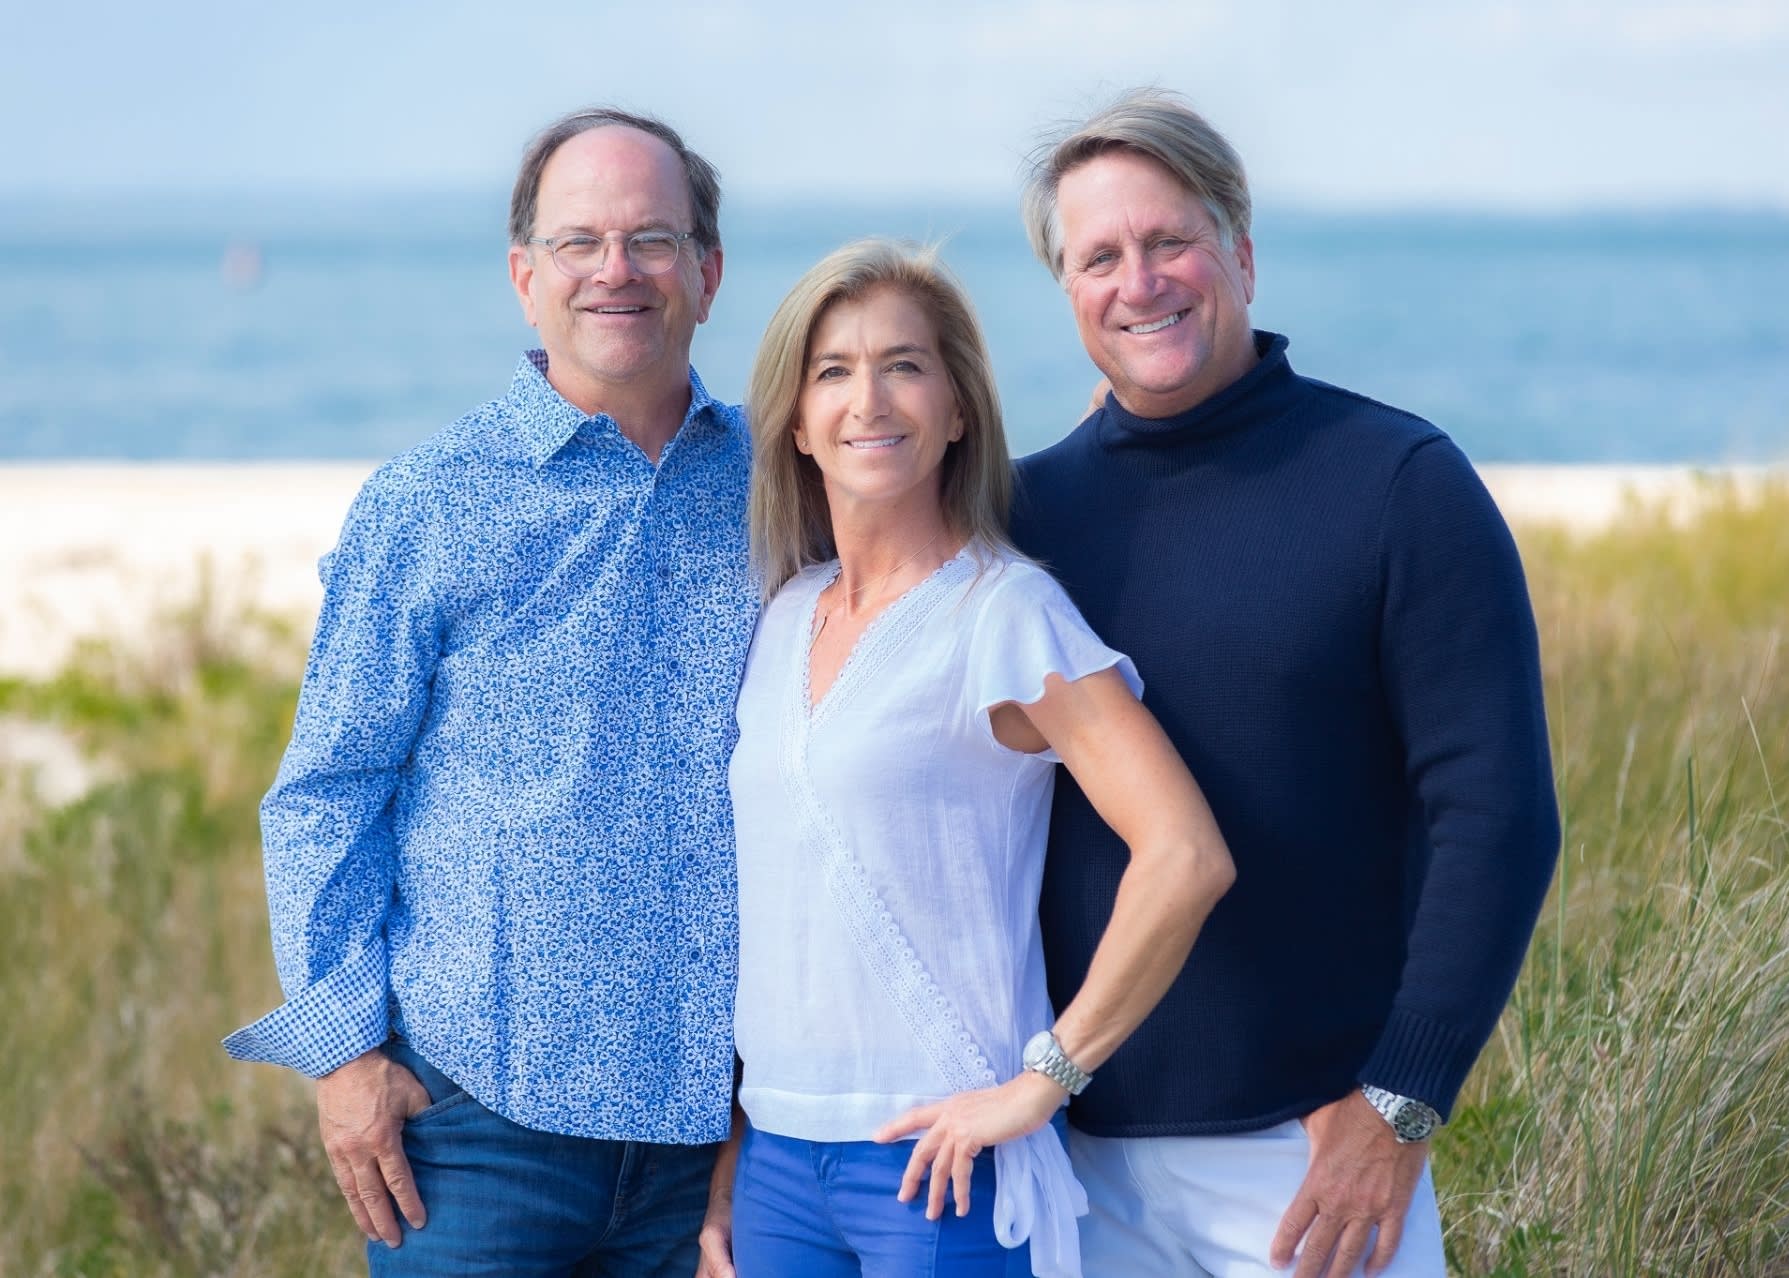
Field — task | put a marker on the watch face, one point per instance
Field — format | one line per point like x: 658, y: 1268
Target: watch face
x: 1037, y: 1050
x: 1413, y: 1121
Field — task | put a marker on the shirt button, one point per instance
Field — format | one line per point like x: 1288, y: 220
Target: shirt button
x: 674, y: 666
x: 664, y: 572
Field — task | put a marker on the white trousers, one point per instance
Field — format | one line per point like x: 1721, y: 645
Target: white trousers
x: 1208, y: 1206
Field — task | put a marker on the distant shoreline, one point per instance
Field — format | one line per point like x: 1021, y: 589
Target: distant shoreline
x: 94, y: 550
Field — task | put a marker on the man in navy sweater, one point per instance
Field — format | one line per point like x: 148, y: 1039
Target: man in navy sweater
x: 1333, y: 626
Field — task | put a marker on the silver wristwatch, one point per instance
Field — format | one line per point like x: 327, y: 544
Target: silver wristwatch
x: 1044, y: 1055
x: 1410, y: 1119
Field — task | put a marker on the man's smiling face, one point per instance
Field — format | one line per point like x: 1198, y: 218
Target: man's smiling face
x: 1162, y: 305
x: 620, y: 326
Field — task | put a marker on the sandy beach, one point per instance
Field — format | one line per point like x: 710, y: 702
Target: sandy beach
x: 97, y: 550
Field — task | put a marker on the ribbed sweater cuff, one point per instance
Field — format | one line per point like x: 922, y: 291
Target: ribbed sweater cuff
x: 1419, y: 1057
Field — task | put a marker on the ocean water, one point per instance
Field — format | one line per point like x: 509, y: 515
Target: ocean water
x: 130, y: 329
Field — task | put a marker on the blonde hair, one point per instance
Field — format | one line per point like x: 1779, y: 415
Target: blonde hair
x: 1149, y: 122
x: 791, y: 522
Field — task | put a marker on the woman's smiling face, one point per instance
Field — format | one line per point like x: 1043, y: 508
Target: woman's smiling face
x: 877, y: 409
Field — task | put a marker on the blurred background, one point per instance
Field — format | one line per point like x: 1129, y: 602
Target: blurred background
x: 248, y: 251
x: 1559, y: 230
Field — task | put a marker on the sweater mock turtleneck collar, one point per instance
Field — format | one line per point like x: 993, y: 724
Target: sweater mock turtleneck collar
x: 1259, y: 395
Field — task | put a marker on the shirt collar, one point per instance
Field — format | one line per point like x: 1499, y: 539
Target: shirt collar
x: 546, y: 420
x: 1261, y: 394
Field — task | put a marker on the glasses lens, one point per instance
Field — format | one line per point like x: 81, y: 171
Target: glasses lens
x: 579, y: 256
x: 652, y: 251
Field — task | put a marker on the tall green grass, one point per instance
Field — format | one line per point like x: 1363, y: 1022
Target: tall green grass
x: 1630, y: 1118
x: 132, y: 934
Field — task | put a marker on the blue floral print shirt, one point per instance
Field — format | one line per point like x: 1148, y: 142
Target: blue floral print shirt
x: 501, y: 828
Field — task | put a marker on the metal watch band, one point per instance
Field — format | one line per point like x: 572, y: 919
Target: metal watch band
x: 1044, y: 1055
x: 1411, y: 1120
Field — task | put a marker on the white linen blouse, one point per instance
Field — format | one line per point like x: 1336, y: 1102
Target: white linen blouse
x: 890, y: 856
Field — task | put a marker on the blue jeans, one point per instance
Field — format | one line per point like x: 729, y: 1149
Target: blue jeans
x: 503, y: 1199
x: 806, y: 1209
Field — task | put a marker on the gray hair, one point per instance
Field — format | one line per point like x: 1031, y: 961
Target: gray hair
x: 1154, y: 123
x: 790, y: 519
x: 704, y: 181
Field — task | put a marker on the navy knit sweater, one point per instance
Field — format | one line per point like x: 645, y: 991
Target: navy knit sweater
x: 1333, y: 627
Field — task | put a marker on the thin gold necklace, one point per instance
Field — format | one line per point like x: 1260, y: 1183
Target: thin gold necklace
x: 852, y: 594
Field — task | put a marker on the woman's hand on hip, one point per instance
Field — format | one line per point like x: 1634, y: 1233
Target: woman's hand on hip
x: 958, y: 1129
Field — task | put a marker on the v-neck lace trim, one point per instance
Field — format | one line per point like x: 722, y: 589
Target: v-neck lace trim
x: 880, y: 638
x: 929, y: 1013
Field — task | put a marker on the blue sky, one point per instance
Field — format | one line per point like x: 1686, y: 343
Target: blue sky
x: 1530, y: 104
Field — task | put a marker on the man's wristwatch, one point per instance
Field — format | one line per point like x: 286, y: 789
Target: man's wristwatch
x: 1044, y: 1055
x: 1410, y: 1119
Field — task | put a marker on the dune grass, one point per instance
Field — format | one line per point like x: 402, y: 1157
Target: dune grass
x: 1632, y: 1115
x: 132, y: 934
x: 1630, y: 1118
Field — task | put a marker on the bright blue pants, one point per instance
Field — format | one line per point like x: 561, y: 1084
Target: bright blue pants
x: 806, y: 1209
x: 510, y: 1202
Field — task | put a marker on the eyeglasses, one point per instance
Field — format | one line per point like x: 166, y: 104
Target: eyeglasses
x: 581, y: 256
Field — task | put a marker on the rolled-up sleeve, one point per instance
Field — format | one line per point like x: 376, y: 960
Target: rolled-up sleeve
x: 326, y: 824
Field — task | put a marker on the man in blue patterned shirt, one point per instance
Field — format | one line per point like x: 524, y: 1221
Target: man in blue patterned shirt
x: 499, y: 851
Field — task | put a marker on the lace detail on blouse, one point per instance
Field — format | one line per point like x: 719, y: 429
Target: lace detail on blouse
x: 931, y: 1017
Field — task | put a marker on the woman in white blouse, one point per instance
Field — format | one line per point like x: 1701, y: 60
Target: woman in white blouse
x: 911, y: 686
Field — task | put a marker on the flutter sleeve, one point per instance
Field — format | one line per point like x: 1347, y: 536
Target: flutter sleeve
x: 1028, y: 629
